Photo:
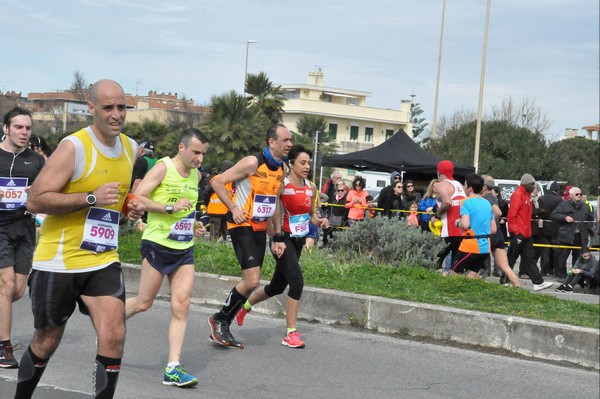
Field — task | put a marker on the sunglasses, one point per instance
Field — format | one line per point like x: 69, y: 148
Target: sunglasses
x: 577, y: 194
x: 397, y: 178
x: 409, y: 185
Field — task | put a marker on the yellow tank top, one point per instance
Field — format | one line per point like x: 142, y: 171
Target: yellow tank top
x: 86, y: 240
x: 175, y: 230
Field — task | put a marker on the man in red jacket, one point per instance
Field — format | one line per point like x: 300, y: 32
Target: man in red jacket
x: 519, y: 226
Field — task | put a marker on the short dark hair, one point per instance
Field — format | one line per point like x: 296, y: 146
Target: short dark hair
x: 474, y: 181
x: 16, y: 111
x: 369, y: 198
x: 187, y: 135
x: 296, y: 150
x: 272, y: 131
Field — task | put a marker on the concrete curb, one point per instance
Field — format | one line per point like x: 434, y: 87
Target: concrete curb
x: 532, y: 338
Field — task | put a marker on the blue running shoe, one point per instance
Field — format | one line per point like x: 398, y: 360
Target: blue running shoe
x: 179, y: 377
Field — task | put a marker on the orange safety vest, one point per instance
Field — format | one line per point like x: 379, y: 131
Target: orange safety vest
x: 215, y: 206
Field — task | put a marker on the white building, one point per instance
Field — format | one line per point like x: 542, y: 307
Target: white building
x: 353, y: 125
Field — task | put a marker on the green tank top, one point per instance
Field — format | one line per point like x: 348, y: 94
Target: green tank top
x: 173, y: 230
x: 151, y: 162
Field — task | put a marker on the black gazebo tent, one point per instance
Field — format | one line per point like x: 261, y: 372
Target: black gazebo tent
x: 398, y: 153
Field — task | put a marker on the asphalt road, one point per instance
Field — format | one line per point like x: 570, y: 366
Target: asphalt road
x: 337, y: 363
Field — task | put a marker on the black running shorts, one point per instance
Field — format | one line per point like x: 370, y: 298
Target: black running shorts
x: 249, y: 246
x: 467, y: 261
x: 497, y: 241
x: 17, y: 243
x: 54, y: 295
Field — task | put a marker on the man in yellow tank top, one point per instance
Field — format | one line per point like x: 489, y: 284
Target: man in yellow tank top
x: 169, y: 193
x: 258, y: 179
x: 83, y: 188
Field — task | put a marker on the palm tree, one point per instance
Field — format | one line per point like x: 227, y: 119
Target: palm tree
x: 164, y: 137
x: 265, y: 95
x: 307, y: 125
x: 234, y: 128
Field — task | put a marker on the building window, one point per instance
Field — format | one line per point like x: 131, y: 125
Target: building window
x: 291, y: 94
x: 389, y: 133
x: 332, y: 131
x: 353, y: 132
x: 368, y: 135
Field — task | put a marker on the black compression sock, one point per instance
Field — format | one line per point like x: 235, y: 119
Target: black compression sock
x: 30, y: 372
x: 233, y: 303
x: 106, y: 374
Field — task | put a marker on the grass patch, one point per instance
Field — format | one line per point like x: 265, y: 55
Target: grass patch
x: 327, y: 269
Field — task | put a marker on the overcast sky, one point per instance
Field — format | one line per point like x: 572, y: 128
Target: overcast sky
x: 543, y: 50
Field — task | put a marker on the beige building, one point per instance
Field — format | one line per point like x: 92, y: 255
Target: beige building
x: 65, y: 111
x: 352, y: 124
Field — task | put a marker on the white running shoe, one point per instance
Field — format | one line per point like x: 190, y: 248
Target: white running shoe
x: 543, y: 286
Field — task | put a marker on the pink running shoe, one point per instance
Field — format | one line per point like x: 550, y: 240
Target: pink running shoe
x: 292, y: 340
x: 239, y: 317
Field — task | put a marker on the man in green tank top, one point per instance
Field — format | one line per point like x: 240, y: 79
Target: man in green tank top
x: 170, y: 193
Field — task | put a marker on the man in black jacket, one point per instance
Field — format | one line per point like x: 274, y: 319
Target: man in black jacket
x: 19, y: 167
x: 388, y: 190
x: 548, y: 203
x: 571, y: 216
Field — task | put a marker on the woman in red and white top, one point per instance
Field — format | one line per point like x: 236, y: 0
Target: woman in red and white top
x: 296, y: 202
x: 356, y: 201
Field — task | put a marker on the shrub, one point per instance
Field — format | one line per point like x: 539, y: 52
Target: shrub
x: 391, y: 241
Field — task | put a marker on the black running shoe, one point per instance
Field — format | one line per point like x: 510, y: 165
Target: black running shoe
x: 568, y: 288
x: 219, y: 333
x: 7, y: 359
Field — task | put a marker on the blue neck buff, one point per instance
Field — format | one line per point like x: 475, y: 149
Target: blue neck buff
x: 271, y: 162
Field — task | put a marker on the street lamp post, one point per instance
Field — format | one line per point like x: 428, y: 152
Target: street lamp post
x: 481, y: 81
x: 248, y: 42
